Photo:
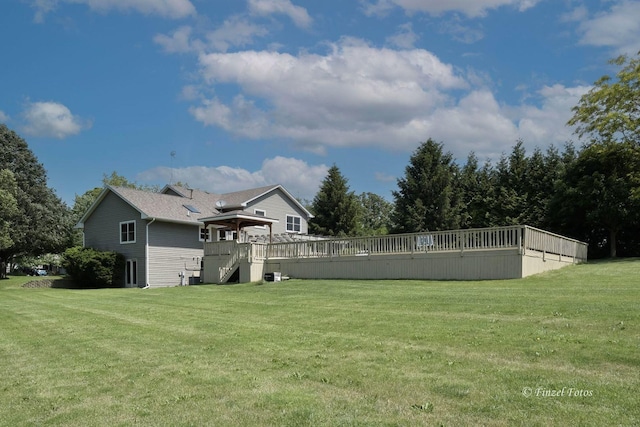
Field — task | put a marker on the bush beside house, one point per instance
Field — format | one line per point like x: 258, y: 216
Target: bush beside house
x: 90, y: 268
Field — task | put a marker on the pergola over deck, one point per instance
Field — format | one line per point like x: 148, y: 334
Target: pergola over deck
x: 237, y: 220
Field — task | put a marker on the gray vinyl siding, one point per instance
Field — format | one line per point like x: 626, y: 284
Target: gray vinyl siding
x: 102, y: 231
x: 173, y: 248
x: 277, y: 205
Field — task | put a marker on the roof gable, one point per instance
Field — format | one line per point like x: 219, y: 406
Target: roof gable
x: 240, y: 199
x: 161, y: 206
x: 179, y: 204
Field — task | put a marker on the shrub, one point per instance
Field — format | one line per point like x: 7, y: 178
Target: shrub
x: 90, y: 268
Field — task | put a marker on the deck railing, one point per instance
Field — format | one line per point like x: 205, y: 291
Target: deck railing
x: 436, y: 241
x: 551, y: 243
x: 519, y: 237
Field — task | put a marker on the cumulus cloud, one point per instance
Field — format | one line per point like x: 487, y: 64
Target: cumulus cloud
x: 3, y: 117
x: 297, y: 14
x: 53, y: 120
x: 618, y: 28
x: 547, y: 122
x: 475, y: 8
x: 342, y: 98
x: 297, y: 176
x: 173, y: 9
x: 358, y: 95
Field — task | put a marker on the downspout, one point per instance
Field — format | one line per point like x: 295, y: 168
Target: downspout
x: 146, y: 254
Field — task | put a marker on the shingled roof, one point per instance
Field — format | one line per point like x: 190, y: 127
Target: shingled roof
x: 234, y: 200
x: 180, y: 204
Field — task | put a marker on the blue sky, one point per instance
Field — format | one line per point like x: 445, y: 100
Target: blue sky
x: 227, y: 95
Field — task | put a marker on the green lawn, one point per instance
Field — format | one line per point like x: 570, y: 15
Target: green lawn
x: 328, y: 352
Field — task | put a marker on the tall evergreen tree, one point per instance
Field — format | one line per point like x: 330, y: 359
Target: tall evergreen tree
x: 477, y: 188
x: 540, y: 175
x: 335, y: 208
x: 428, y: 197
x: 510, y: 200
x: 43, y: 222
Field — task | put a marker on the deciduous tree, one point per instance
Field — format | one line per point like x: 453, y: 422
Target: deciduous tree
x: 43, y: 222
x: 601, y: 192
x: 376, y: 214
x: 8, y: 207
x: 610, y: 111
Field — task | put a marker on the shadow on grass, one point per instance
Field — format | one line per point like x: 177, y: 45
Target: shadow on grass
x: 613, y: 260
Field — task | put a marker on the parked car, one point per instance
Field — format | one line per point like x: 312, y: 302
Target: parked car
x: 35, y: 271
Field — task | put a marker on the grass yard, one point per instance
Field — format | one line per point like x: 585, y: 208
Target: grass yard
x: 561, y: 348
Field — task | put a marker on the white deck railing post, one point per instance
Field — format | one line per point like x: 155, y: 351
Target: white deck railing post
x: 523, y: 238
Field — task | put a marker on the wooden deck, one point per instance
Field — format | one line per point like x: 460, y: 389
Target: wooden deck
x: 473, y: 254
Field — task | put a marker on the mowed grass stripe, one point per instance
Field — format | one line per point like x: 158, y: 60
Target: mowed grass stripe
x: 326, y: 352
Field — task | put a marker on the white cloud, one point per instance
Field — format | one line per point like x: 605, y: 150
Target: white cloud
x: 479, y: 123
x: 619, y: 28
x: 384, y: 177
x: 548, y: 122
x: 343, y: 98
x: 298, y: 15
x: 3, y: 117
x: 405, y: 38
x: 190, y: 93
x: 235, y: 31
x: 471, y: 8
x: 297, y: 176
x: 213, y: 113
x: 358, y: 95
x: 173, y: 9
x: 460, y: 32
x: 51, y: 119
x: 179, y: 41
x: 42, y: 7
x: 577, y: 14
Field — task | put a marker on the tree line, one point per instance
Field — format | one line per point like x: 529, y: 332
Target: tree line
x: 591, y: 193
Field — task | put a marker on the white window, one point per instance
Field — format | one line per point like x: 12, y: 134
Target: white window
x: 260, y: 212
x: 204, y: 234
x: 131, y: 273
x: 128, y: 232
x: 227, y: 235
x: 293, y: 224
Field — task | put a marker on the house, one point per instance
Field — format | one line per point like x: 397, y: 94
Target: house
x: 162, y: 235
